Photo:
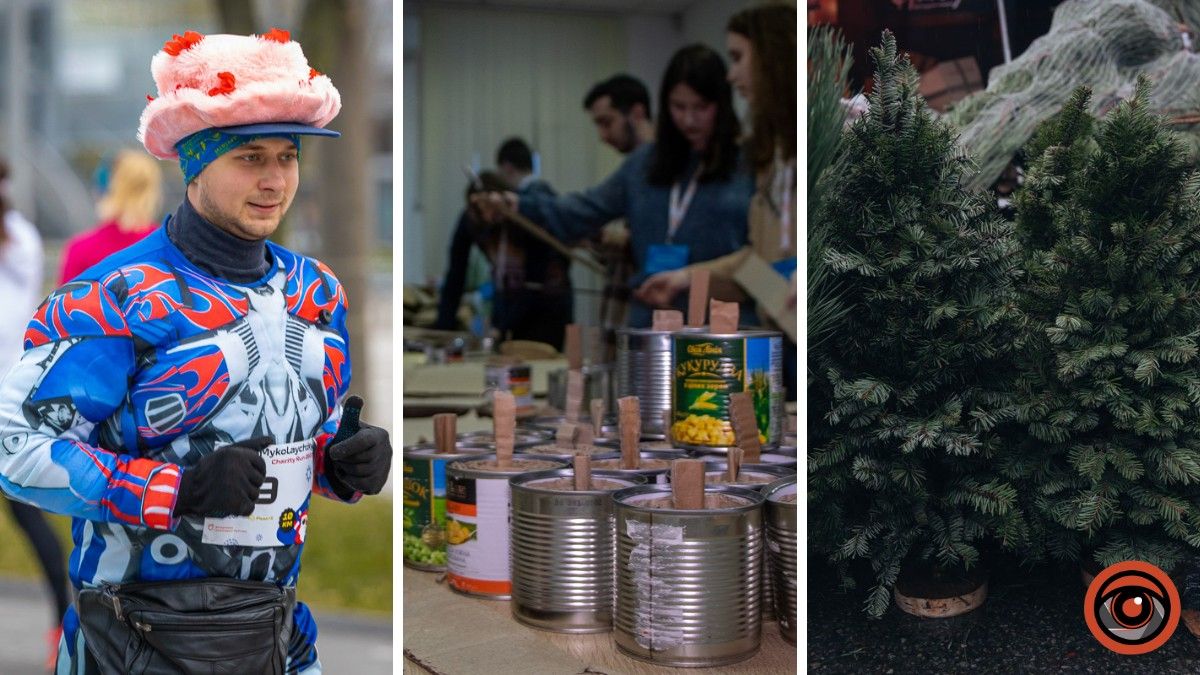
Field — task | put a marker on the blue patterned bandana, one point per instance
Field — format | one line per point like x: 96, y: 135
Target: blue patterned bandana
x: 201, y: 148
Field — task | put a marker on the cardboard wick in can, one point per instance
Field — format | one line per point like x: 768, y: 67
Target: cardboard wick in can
x: 584, y: 436
x: 697, y: 298
x: 574, y: 395
x: 566, y: 435
x: 445, y: 432
x: 629, y: 422
x: 667, y: 319
x: 723, y: 316
x: 504, y: 426
x: 583, y: 471
x: 687, y: 483
x: 745, y: 425
x: 595, y: 344
x: 597, y: 410
x: 574, y: 347
x: 733, y: 464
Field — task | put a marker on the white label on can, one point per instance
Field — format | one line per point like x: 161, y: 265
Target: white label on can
x: 280, y: 515
x: 477, y: 535
x: 658, y: 621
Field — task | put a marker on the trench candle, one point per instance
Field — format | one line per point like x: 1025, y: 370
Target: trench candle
x: 477, y: 530
x: 780, y: 515
x: 562, y: 550
x: 707, y: 368
x: 424, y: 505
x: 688, y: 580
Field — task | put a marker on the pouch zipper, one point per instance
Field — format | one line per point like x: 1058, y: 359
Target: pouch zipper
x: 110, y: 593
x: 146, y: 628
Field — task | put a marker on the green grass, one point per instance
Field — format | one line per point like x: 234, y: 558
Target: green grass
x: 346, y: 566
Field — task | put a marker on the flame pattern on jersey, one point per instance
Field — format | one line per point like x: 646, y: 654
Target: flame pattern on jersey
x: 143, y: 365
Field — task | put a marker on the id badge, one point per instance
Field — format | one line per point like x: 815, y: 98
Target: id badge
x: 665, y: 257
x: 280, y: 515
x: 786, y: 267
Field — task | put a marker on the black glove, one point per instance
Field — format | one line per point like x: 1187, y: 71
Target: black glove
x: 359, y: 457
x: 225, y: 482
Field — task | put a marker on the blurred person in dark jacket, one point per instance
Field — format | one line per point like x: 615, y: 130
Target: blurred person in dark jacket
x: 532, y: 285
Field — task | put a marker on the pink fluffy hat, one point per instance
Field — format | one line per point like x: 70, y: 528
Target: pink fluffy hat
x: 239, y: 84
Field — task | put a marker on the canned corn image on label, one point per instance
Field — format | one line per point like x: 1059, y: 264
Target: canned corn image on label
x: 707, y: 368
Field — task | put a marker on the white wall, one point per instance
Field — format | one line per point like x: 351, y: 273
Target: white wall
x: 479, y: 74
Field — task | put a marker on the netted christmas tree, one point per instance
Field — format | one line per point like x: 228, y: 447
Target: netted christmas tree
x: 917, y: 372
x: 1109, y: 390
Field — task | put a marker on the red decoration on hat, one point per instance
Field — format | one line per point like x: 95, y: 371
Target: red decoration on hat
x: 278, y: 35
x: 313, y: 72
x: 149, y: 98
x: 226, y: 86
x: 181, y: 43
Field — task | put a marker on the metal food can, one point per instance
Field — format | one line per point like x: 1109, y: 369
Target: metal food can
x: 646, y: 443
x: 549, y: 424
x: 597, y: 383
x: 780, y: 514
x: 522, y: 438
x: 779, y: 456
x: 424, y: 505
x: 515, y: 378
x: 644, y: 371
x: 567, y: 454
x: 562, y: 550
x: 751, y: 477
x: 655, y: 465
x: 706, y: 368
x: 689, y: 582
x: 477, y: 504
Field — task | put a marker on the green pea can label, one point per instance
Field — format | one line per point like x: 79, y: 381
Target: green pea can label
x: 424, y: 506
x: 707, y: 368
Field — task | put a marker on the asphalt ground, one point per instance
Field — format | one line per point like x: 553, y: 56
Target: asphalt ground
x: 1032, y: 622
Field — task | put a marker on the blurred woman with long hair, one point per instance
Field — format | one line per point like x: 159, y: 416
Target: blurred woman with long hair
x: 762, y: 50
x: 128, y: 211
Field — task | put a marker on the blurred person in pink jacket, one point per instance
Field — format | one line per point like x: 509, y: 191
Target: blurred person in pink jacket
x: 128, y: 211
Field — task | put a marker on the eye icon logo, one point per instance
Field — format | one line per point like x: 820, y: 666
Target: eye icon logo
x: 1132, y: 607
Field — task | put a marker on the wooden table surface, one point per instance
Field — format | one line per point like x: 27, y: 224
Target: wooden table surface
x: 450, y: 634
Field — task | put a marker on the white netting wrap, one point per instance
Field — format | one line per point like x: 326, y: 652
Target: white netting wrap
x: 1104, y: 44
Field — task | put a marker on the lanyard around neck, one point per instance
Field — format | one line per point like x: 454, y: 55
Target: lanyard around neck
x: 679, y: 205
x: 785, y: 204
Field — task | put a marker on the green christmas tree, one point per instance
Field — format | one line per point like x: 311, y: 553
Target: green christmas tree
x: 916, y: 376
x: 1109, y: 387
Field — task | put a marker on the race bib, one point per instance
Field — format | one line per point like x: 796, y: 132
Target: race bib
x: 280, y: 515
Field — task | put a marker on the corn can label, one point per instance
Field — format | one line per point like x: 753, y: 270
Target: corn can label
x: 477, y: 535
x: 707, y: 370
x: 424, y: 511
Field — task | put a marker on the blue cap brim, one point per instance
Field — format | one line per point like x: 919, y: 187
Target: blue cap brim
x: 277, y: 128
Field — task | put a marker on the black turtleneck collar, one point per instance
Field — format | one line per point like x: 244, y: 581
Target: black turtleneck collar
x: 216, y: 251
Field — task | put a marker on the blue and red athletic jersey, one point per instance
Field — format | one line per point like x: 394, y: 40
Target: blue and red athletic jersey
x: 144, y: 364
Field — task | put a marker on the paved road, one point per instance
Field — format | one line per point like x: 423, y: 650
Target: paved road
x: 347, y: 644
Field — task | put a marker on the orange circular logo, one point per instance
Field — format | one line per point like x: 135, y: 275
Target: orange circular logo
x: 1132, y: 607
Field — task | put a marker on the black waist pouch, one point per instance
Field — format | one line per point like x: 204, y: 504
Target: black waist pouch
x: 191, y: 626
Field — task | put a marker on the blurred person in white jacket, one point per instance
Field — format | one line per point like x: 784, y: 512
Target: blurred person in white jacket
x: 21, y: 261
